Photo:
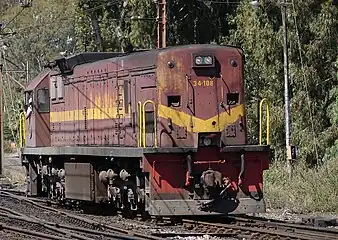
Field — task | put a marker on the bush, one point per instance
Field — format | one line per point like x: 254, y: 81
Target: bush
x: 310, y: 190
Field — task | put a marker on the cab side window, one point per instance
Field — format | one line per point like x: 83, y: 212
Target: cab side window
x: 43, y: 100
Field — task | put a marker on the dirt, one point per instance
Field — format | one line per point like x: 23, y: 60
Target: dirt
x: 288, y: 216
x: 14, y: 175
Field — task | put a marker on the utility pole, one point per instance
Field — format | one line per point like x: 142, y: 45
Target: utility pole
x: 1, y: 111
x: 27, y: 72
x: 161, y: 23
x: 290, y: 150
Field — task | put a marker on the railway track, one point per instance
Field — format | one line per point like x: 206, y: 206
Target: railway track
x: 259, y: 229
x: 59, y: 222
x: 230, y: 227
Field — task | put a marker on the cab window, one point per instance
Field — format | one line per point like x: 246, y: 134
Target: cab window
x: 43, y: 100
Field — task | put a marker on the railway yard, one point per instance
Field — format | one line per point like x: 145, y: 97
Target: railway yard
x: 38, y: 218
x: 117, y: 131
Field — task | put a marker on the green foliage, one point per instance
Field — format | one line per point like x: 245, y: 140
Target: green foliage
x: 188, y: 22
x: 310, y: 190
x: 260, y: 34
x: 49, y: 28
x: 42, y: 32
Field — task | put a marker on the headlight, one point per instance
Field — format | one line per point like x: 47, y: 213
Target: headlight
x: 207, y: 141
x: 208, y: 60
x: 212, y: 139
x: 198, y: 60
x: 204, y: 60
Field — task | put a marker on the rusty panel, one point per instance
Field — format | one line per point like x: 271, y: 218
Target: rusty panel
x: 112, y: 78
x: 82, y: 113
x: 76, y: 97
x: 146, y: 90
x: 100, y: 105
x: 120, y: 131
x: 43, y: 121
x: 38, y: 125
x: 67, y: 126
x: 202, y: 92
x: 90, y: 111
x: 105, y: 124
x: 79, y: 181
x: 131, y: 128
x: 165, y: 185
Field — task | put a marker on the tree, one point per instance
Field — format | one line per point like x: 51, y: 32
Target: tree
x: 188, y: 22
x: 41, y: 33
x: 259, y: 33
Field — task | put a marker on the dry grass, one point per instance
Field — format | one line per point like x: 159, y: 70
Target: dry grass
x: 310, y: 190
x: 15, y: 175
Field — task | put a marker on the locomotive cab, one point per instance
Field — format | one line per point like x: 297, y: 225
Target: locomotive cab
x: 36, y: 132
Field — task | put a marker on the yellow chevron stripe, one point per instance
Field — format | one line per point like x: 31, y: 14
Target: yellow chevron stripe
x: 183, y: 119
x: 179, y: 118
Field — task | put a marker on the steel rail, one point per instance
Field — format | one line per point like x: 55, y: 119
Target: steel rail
x: 297, y: 228
x: 243, y: 225
x: 39, y: 222
x: 126, y: 234
x: 60, y: 228
x: 30, y: 233
x: 288, y: 233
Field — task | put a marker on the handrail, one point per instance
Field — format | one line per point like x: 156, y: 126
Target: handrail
x: 144, y: 123
x: 139, y: 107
x: 22, y: 129
x: 267, y: 121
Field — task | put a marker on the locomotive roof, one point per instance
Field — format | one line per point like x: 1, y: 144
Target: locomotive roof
x: 67, y: 64
x: 36, y: 81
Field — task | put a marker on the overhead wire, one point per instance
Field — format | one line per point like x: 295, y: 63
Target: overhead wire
x: 17, y: 82
x: 306, y: 82
x: 15, y: 17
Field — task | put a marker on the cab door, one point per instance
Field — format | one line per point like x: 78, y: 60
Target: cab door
x: 37, y: 112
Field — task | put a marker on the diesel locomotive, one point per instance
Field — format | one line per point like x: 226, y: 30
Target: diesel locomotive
x: 159, y: 131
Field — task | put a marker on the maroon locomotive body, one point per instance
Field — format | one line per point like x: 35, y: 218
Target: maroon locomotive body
x: 162, y: 131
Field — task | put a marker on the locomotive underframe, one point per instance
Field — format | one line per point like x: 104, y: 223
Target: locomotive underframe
x: 136, y: 177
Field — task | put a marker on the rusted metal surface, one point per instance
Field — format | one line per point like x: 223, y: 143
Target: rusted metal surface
x: 38, y: 123
x: 168, y: 186
x: 32, y: 85
x: 186, y: 111
x: 202, y: 91
x: 101, y: 98
x: 183, y: 207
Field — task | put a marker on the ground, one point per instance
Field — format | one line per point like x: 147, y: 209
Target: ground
x: 13, y: 173
x: 15, y: 176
